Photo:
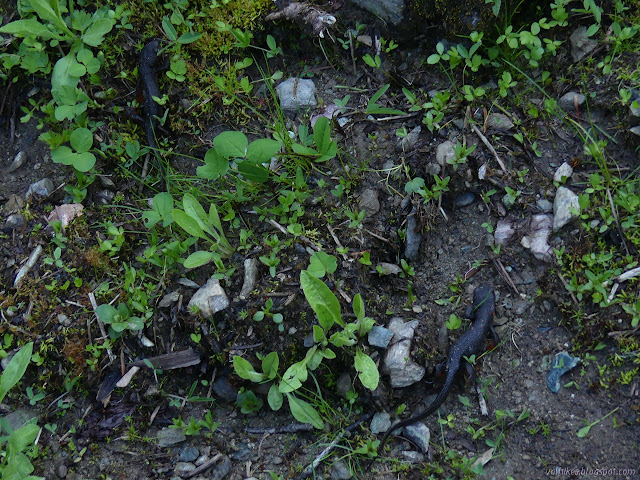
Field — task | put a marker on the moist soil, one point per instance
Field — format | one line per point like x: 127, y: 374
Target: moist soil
x: 535, y: 317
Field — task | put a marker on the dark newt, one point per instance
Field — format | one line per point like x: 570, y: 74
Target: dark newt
x: 148, y: 88
x: 470, y: 343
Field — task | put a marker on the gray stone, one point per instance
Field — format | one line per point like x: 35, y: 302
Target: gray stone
x: 302, y: 98
x: 407, y: 143
x: 635, y: 102
x: 340, y: 471
x: 14, y: 204
x: 390, y: 11
x: 402, y: 370
x: 64, y: 320
x: 544, y: 205
x: 464, y: 200
x: 19, y: 419
x: 537, y: 240
x: 224, y: 390
x: 581, y: 44
x: 169, y: 436
x: 635, y: 130
x: 563, y: 173
x: 369, y: 202
x: 503, y: 232
x: 169, y: 299
x: 499, y: 121
x: 188, y: 454
x: 221, y: 469
x: 568, y: 100
x: 41, y: 188
x: 561, y: 364
x: 379, y: 336
x: 445, y: 153
x: 381, y: 422
x: 18, y: 161
x: 15, y: 221
x: 62, y: 471
x: 419, y: 434
x: 564, y: 202
x: 183, y: 468
x: 343, y: 385
x: 209, y: 299
x: 413, y: 456
x: 250, y: 277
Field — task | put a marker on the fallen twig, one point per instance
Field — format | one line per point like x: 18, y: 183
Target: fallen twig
x: 292, y: 428
x: 490, y: 147
x: 208, y: 464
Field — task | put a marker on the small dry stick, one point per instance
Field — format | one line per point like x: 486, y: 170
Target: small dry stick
x: 490, y: 147
x: 337, y: 240
x: 208, y: 464
x: 94, y: 304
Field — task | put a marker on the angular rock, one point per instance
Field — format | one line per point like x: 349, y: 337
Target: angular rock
x: 563, y: 173
x: 209, y: 299
x: 413, y: 237
x: 445, y: 152
x: 250, y: 277
x: 381, y: 422
x: 407, y: 143
x: 419, y: 434
x: 564, y: 202
x: 379, y: 336
x: 183, y: 468
x: 369, y: 202
x: 581, y: 44
x: 221, y: 469
x: 561, y: 364
x: 568, y: 101
x: 302, y: 98
x: 15, y: 221
x: 503, y: 232
x: 169, y: 436
x: 403, y: 371
x: 544, y: 205
x: 537, y: 240
x: 224, y: 390
x: 169, y: 299
x: 499, y: 121
x: 189, y: 454
x: 41, y: 188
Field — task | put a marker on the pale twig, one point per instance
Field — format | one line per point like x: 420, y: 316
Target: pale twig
x: 490, y: 147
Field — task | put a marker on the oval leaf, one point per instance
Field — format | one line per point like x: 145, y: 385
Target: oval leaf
x: 231, y: 144
x: 197, y: 259
x: 321, y: 299
x: 304, y: 412
x: 245, y: 370
x: 367, y: 370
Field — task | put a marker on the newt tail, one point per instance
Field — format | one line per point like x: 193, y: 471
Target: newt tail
x: 481, y: 312
x: 148, y: 88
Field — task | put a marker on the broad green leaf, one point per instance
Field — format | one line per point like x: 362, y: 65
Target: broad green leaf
x: 28, y: 28
x: 163, y: 205
x: 322, y: 134
x: 270, y: 365
x: 302, y: 150
x: 189, y: 37
x: 45, y: 12
x: 106, y: 313
x: 169, y: 29
x: 81, y: 140
x: 275, y: 398
x: 215, y: 165
x: 62, y: 73
x: 329, y: 154
x: 197, y: 259
x: 15, y: 369
x: 245, y: 370
x: 261, y: 150
x: 193, y: 208
x: 322, y: 263
x: 367, y: 370
x: 188, y: 224
x: 358, y: 306
x: 231, y: 144
x: 304, y: 412
x: 84, y: 162
x: 252, y: 172
x: 94, y: 35
x: 322, y: 300
x: 294, y: 377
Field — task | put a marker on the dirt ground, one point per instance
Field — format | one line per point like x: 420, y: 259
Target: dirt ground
x: 532, y: 322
